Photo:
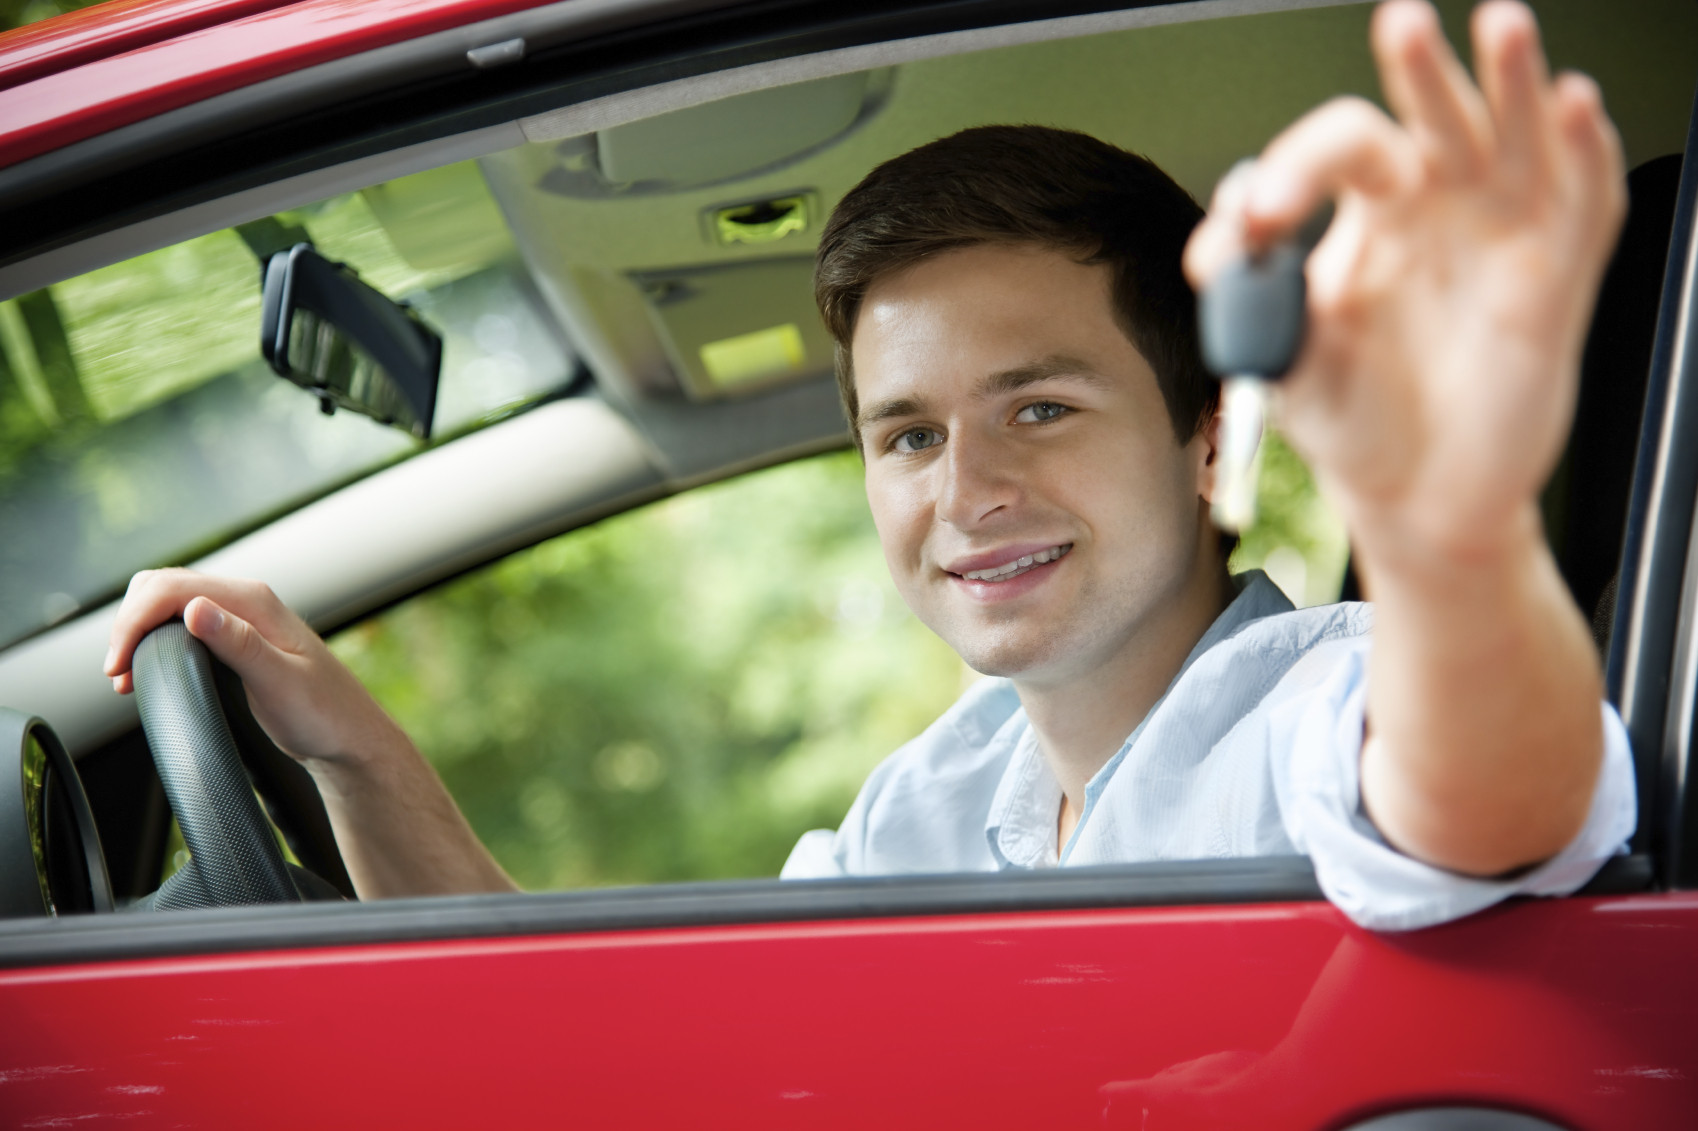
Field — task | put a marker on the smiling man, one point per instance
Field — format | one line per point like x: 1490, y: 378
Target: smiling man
x: 1017, y: 356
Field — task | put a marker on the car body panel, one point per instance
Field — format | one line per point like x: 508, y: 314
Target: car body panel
x: 1277, y: 1016
x: 108, y: 29
x: 69, y: 105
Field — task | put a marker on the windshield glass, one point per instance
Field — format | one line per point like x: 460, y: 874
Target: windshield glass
x: 139, y: 427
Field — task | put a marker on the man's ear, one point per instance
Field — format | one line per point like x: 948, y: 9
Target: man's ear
x: 1204, y: 448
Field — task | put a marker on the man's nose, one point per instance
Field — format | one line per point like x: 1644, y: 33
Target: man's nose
x: 979, y: 480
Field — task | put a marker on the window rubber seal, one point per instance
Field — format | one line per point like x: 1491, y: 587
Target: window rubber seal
x: 1174, y: 884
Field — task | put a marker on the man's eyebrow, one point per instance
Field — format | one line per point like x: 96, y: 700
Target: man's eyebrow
x: 885, y: 410
x: 1055, y: 365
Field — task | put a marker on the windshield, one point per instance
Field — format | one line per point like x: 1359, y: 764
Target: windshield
x: 139, y: 427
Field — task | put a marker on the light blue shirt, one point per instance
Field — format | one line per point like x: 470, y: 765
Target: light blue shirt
x: 1252, y: 751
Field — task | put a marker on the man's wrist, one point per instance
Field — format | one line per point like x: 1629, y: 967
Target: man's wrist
x: 370, y: 754
x: 1398, y: 551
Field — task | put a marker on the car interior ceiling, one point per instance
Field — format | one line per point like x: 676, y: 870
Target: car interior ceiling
x: 676, y: 253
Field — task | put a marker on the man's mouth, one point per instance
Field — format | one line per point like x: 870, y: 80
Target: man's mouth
x: 1017, y: 566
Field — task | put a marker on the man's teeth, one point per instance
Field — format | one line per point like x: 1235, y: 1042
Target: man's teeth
x: 1018, y: 566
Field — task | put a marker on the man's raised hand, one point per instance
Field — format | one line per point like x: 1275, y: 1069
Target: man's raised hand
x: 1450, y: 298
x: 1448, y: 306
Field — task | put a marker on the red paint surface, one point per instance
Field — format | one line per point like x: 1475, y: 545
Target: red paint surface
x: 1279, y: 1017
x: 107, y: 29
x: 70, y: 105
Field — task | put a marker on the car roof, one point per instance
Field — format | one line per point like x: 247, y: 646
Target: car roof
x: 101, y: 68
x: 72, y: 39
x: 115, y: 64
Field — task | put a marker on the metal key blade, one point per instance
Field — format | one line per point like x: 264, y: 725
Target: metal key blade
x: 1244, y: 400
x: 1251, y: 323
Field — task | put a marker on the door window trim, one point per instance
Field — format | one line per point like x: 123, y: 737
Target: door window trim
x: 1652, y: 668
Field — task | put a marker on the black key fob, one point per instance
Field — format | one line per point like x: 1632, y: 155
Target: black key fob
x: 1251, y: 316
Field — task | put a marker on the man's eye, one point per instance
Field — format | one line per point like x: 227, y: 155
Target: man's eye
x: 915, y: 439
x: 1040, y: 412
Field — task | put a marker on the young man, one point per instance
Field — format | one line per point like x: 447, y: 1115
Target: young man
x: 1017, y: 358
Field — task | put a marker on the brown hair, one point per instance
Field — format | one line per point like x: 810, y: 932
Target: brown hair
x: 1027, y: 184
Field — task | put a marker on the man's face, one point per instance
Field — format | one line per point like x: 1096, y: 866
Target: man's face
x: 1034, y: 506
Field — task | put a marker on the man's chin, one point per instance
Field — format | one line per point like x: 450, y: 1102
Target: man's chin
x: 1032, y: 642
x: 1008, y: 658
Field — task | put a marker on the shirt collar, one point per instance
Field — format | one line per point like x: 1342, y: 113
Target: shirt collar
x: 1258, y: 597
x: 1022, y: 823
x: 1023, y: 820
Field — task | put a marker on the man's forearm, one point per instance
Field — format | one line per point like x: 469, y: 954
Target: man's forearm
x: 1485, y: 738
x: 399, y: 831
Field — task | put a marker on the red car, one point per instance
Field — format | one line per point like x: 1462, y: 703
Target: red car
x: 620, y: 196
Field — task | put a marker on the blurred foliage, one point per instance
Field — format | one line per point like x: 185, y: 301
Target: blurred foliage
x: 675, y: 693
x: 1297, y: 538
x: 679, y: 692
x: 143, y: 330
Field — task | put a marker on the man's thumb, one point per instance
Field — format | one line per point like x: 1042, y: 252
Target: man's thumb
x: 226, y: 636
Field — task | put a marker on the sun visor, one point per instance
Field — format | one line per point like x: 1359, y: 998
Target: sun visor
x: 733, y: 135
x: 738, y: 327
x: 725, y: 140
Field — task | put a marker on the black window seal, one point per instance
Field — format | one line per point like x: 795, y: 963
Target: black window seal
x: 1642, y: 664
x: 1213, y: 883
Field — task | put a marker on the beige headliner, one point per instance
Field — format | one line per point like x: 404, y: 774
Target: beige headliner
x: 1192, y: 93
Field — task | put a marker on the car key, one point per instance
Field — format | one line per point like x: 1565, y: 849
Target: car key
x: 1251, y: 319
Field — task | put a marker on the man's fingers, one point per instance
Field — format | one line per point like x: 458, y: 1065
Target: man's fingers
x: 1346, y: 145
x: 230, y: 638
x: 204, y: 620
x: 1220, y: 237
x: 1428, y: 88
x: 156, y: 596
x: 1592, y: 148
x: 1511, y: 65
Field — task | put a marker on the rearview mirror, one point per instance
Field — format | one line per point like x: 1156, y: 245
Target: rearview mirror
x: 353, y: 347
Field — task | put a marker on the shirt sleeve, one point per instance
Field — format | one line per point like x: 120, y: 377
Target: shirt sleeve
x: 821, y: 854
x: 1317, y: 775
x: 813, y: 858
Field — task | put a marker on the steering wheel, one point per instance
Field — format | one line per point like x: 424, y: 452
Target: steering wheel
x: 234, y: 858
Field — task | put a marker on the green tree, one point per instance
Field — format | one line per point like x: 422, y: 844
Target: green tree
x: 675, y: 693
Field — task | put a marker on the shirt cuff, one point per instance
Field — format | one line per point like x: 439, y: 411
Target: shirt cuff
x: 1379, y: 887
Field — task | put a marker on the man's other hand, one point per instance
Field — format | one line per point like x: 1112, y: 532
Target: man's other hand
x: 308, y: 702
x: 399, y: 831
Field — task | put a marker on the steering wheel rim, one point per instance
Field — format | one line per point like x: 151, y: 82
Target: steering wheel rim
x: 234, y: 859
